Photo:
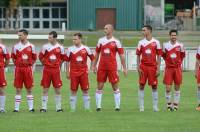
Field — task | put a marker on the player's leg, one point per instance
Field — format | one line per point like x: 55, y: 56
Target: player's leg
x: 44, y: 99
x: 57, y: 84
x: 28, y: 83
x: 18, y: 84
x: 84, y: 83
x: 177, y: 82
x: 142, y: 82
x: 117, y: 96
x: 101, y: 79
x: 45, y: 83
x: 177, y: 94
x: 168, y: 97
x: 2, y: 99
x: 17, y: 99
x: 3, y: 84
x: 168, y: 80
x: 114, y: 79
x: 30, y: 99
x: 152, y: 80
x: 74, y: 82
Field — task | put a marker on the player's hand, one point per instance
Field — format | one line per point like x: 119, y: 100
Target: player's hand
x: 68, y: 75
x: 94, y: 69
x: 157, y: 73
x: 196, y: 74
x: 125, y: 71
x: 140, y: 72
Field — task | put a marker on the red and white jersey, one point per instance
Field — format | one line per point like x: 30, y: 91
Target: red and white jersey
x: 52, y: 55
x: 148, y: 50
x: 4, y: 55
x: 108, y: 49
x: 198, y: 53
x: 77, y: 56
x: 173, y: 54
x: 23, y: 54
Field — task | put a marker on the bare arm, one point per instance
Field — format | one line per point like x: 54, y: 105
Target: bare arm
x: 7, y: 62
x: 94, y: 63
x: 197, y: 67
x: 67, y: 70
x: 122, y: 58
x: 158, y: 65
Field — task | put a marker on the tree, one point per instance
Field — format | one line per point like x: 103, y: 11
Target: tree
x: 12, y: 9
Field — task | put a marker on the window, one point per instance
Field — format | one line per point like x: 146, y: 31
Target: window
x: 45, y: 24
x: 45, y: 13
x: 36, y: 13
x: 63, y: 13
x: 55, y: 24
x: 36, y: 24
x: 14, y: 25
x: 1, y: 24
x: 55, y: 12
x: 25, y: 24
x: 25, y: 13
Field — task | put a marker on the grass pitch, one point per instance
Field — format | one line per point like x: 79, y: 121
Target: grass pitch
x: 129, y: 119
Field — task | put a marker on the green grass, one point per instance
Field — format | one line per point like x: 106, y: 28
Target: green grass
x: 129, y: 119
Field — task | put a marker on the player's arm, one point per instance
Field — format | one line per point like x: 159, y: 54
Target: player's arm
x: 122, y: 58
x: 67, y: 70
x: 138, y: 65
x: 94, y: 63
x: 42, y: 56
x: 34, y: 55
x: 197, y: 64
x: 158, y: 65
x: 7, y: 58
x: 13, y: 55
x: 182, y: 53
x: 158, y: 60
x: 138, y: 59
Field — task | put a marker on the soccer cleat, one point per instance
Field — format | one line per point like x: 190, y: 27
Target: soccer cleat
x: 59, y: 110
x: 198, y: 108
x: 117, y: 109
x: 98, y: 109
x: 43, y: 110
x: 2, y: 111
x: 15, y: 110
x: 175, y: 109
x: 155, y: 109
x: 169, y: 109
x: 142, y: 109
x: 32, y: 110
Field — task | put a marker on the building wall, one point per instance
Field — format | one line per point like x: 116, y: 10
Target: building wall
x: 82, y: 13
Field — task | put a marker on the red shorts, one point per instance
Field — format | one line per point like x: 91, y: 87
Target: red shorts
x: 148, y: 72
x: 172, y: 75
x: 2, y: 77
x: 51, y: 75
x: 23, y: 75
x: 112, y: 76
x: 82, y: 80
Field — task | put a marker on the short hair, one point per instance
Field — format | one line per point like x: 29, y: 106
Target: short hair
x: 24, y: 31
x: 173, y: 31
x: 54, y: 33
x: 149, y: 27
x: 80, y: 36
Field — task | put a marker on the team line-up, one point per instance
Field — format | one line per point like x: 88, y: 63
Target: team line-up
x: 52, y: 55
